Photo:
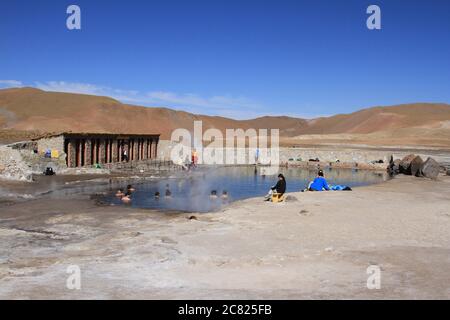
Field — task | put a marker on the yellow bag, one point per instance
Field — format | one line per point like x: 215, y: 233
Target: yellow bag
x: 277, y: 197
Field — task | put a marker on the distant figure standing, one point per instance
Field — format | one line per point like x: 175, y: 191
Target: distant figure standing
x: 125, y: 156
x: 187, y: 164
x: 168, y: 193
x: 257, y: 156
x: 194, y: 158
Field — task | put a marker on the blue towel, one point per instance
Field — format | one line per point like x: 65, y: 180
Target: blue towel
x: 340, y: 188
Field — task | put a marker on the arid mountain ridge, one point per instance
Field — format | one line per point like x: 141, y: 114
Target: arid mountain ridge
x: 37, y: 111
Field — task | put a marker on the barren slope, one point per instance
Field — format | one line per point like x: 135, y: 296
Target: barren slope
x: 28, y: 109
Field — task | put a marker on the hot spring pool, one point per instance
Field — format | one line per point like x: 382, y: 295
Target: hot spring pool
x: 192, y: 194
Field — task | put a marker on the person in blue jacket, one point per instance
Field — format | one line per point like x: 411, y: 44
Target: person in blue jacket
x: 319, y: 183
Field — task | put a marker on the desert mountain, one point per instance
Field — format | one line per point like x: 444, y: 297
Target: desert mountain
x: 29, y: 109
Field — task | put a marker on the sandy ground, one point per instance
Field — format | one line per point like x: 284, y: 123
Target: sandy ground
x: 315, y: 246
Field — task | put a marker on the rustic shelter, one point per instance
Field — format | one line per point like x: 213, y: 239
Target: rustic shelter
x: 87, y: 149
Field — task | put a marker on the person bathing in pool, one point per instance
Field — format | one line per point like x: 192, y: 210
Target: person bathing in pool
x: 126, y: 198
x: 224, y: 195
x: 319, y: 183
x: 168, y: 193
x: 119, y: 193
x: 279, y: 188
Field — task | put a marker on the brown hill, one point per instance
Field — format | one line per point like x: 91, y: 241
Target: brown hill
x: 33, y: 110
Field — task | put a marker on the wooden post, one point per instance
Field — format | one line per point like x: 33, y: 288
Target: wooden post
x: 73, y: 154
x: 156, y: 149
x: 138, y: 151
x: 94, y: 151
x: 114, y: 151
x: 145, y: 149
x: 107, y: 149
x: 80, y: 152
x: 88, y: 153
x: 120, y: 150
x: 101, y: 152
x: 151, y: 149
x: 135, y: 150
x: 131, y: 151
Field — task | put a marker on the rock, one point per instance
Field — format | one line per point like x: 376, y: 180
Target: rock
x: 430, y: 169
x: 405, y: 164
x: 394, y: 167
x: 416, y: 165
x: 13, y: 165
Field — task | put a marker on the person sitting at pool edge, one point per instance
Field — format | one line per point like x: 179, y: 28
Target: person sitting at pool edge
x: 279, y: 188
x: 319, y: 183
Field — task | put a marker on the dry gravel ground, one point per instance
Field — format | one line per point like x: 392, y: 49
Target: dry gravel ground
x: 315, y: 247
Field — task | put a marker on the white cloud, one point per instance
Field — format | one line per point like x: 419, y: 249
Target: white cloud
x: 73, y: 87
x: 190, y: 99
x: 10, y: 84
x: 236, y: 107
x: 226, y: 105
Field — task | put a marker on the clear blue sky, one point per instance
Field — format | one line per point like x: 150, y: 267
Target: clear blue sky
x: 238, y: 58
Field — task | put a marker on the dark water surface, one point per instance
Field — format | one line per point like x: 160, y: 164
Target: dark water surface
x: 192, y: 193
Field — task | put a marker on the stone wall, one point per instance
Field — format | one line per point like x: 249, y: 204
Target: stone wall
x: 53, y: 143
x: 331, y: 155
x: 323, y: 154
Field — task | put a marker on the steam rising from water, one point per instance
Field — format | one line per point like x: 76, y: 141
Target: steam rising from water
x: 192, y: 193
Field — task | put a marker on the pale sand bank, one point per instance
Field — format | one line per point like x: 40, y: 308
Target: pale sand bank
x: 317, y: 247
